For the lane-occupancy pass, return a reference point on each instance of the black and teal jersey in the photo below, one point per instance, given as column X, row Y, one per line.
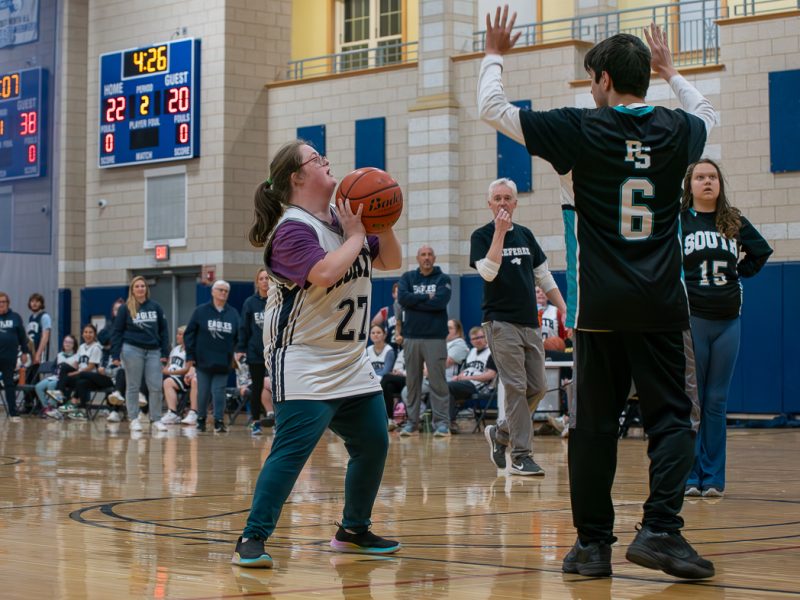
column 620, row 210
column 712, row 265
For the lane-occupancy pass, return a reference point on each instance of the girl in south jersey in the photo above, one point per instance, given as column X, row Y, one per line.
column 320, row 261
column 67, row 360
column 381, row 356
column 715, row 235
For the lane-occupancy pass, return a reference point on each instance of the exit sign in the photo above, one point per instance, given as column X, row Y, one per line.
column 162, row 252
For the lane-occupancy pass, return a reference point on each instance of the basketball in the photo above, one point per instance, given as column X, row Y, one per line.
column 377, row 192
column 554, row 344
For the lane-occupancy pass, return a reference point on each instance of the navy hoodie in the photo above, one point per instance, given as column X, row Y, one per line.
column 12, row 337
column 251, row 329
column 211, row 336
column 146, row 329
column 424, row 317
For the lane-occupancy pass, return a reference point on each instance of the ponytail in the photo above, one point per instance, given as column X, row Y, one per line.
column 273, row 195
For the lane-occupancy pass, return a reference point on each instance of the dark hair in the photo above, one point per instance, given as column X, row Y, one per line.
column 729, row 218
column 36, row 296
column 75, row 343
column 273, row 195
column 91, row 326
column 626, row 59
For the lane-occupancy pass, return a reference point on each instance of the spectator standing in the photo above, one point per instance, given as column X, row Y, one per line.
column 511, row 263
column 39, row 327
column 13, row 341
column 250, row 347
column 715, row 235
column 210, row 339
column 423, row 295
column 140, row 338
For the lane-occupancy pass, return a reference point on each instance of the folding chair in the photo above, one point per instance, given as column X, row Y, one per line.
column 630, row 417
column 484, row 404
column 93, row 408
column 235, row 403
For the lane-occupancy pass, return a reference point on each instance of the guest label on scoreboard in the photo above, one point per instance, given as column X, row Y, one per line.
column 22, row 123
column 150, row 104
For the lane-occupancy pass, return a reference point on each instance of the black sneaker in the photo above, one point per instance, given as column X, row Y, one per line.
column 201, row 424
column 362, row 543
column 591, row 560
column 250, row 553
column 525, row 466
column 268, row 420
column 668, row 552
column 497, row 452
column 219, row 426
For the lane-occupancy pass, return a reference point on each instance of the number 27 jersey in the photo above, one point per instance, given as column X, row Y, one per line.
column 315, row 337
column 620, row 210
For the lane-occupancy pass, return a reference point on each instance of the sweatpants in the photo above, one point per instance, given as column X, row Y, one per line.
column 360, row 421
column 716, row 346
column 433, row 354
column 7, row 368
column 662, row 367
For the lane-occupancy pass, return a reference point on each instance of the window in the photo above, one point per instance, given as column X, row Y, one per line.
column 165, row 207
column 369, row 33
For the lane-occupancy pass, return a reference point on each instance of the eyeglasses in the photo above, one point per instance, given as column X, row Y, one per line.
column 477, row 337
column 223, row 290
column 320, row 159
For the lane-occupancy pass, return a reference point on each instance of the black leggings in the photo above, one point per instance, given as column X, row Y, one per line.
column 88, row 382
column 7, row 367
column 257, row 372
column 392, row 386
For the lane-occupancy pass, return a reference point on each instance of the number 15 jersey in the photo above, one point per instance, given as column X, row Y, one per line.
column 315, row 337
column 620, row 210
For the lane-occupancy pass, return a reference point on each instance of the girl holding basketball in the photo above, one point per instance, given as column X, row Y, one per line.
column 320, row 262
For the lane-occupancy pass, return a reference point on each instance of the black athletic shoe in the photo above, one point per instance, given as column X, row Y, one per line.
column 525, row 466
column 268, row 420
column 201, row 424
column 591, row 560
column 362, row 543
column 497, row 452
column 250, row 553
column 668, row 552
column 219, row 426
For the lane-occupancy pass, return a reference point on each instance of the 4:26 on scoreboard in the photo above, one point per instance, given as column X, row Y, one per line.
column 150, row 104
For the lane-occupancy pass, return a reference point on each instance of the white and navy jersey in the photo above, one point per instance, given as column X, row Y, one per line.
column 479, row 361
column 314, row 337
column 548, row 318
column 712, row 267
column 37, row 325
column 378, row 361
column 177, row 359
column 90, row 354
column 511, row 296
column 620, row 209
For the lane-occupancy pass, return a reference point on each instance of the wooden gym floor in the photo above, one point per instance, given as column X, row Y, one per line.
column 96, row 514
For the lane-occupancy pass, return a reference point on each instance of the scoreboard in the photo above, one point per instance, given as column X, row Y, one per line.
column 22, row 124
column 150, row 104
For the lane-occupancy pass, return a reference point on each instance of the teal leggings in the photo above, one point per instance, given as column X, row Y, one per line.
column 360, row 421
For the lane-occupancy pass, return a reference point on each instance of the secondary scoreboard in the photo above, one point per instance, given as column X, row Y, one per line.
column 22, row 123
column 150, row 104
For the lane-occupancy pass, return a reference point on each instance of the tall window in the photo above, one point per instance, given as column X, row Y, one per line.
column 165, row 206
column 369, row 33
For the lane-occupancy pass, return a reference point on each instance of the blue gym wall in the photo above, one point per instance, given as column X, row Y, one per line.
column 765, row 380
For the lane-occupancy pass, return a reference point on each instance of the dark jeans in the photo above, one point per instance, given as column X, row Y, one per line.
column 459, row 390
column 662, row 367
column 88, row 382
column 257, row 372
column 359, row 421
column 392, row 386
column 7, row 367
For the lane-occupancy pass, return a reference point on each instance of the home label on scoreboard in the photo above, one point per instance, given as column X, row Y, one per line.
column 22, row 123
column 150, row 104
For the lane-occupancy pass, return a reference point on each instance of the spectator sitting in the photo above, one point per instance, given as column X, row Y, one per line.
column 477, row 375
column 76, row 385
column 174, row 382
column 67, row 358
column 551, row 319
column 387, row 317
column 394, row 382
column 381, row 355
column 457, row 348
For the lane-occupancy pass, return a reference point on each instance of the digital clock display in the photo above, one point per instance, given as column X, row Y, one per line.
column 22, row 124
column 150, row 104
column 145, row 61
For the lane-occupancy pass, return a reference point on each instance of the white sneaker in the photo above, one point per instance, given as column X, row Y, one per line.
column 170, row 418
column 160, row 425
column 142, row 400
column 116, row 399
column 113, row 417
column 190, row 419
column 136, row 424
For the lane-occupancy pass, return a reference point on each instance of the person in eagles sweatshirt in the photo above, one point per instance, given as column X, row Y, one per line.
column 12, row 340
column 210, row 339
column 140, row 338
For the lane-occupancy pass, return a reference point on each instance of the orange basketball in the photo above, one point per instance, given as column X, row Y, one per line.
column 555, row 344
column 377, row 192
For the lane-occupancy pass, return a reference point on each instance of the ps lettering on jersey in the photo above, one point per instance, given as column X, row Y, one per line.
column 359, row 268
column 218, row 329
column 637, row 154
column 701, row 240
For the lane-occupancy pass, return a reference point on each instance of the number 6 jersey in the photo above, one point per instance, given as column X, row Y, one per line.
column 620, row 209
column 315, row 337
